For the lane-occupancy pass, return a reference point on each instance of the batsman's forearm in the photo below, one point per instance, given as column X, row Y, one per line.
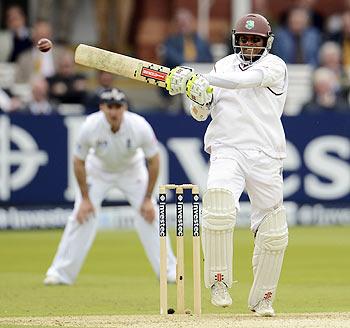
column 153, row 172
column 237, row 80
column 80, row 174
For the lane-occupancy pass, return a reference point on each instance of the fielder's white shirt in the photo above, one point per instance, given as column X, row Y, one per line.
column 115, row 152
column 249, row 118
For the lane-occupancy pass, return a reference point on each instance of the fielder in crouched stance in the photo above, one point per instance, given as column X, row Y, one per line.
column 111, row 150
column 246, row 143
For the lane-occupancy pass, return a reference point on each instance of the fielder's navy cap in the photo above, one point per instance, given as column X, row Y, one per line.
column 113, row 96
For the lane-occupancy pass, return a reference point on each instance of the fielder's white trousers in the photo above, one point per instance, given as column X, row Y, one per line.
column 261, row 176
column 77, row 238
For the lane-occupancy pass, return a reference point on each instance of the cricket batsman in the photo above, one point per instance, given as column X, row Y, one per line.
column 245, row 94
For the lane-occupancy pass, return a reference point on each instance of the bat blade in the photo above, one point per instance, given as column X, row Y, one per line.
column 122, row 65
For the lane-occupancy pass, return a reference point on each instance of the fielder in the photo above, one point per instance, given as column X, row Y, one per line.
column 110, row 153
column 246, row 143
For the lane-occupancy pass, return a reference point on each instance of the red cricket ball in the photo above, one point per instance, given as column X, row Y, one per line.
column 44, row 45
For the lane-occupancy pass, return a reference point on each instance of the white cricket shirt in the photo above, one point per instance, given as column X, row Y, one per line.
column 249, row 118
column 114, row 152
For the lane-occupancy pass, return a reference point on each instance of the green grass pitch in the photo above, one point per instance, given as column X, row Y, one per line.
column 117, row 278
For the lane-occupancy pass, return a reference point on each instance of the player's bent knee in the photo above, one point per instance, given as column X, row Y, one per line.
column 272, row 234
column 219, row 211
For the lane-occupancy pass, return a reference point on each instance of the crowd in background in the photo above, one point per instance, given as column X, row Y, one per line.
column 302, row 36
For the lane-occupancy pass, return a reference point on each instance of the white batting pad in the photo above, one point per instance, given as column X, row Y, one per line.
column 218, row 222
column 270, row 243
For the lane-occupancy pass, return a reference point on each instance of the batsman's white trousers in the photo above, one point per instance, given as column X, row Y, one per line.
column 261, row 176
column 78, row 238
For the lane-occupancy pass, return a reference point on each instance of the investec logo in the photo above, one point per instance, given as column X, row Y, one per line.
column 195, row 214
column 26, row 158
column 179, row 216
column 162, row 219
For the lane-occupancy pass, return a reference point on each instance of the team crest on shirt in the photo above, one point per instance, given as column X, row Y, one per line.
column 249, row 24
column 101, row 144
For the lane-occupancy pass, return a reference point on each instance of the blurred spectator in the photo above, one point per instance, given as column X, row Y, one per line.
column 334, row 22
column 67, row 86
column 330, row 56
column 297, row 42
column 60, row 13
column 33, row 62
column 325, row 96
column 114, row 19
column 20, row 33
column 343, row 38
column 105, row 81
column 185, row 45
column 39, row 104
column 8, row 103
column 316, row 19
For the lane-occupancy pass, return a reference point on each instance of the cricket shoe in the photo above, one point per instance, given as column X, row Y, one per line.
column 220, row 295
column 53, row 281
column 264, row 309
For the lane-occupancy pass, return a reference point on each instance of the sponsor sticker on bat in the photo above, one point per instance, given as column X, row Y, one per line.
column 153, row 74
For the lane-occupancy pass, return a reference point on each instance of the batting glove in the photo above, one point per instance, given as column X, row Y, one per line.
column 177, row 79
column 199, row 90
column 200, row 113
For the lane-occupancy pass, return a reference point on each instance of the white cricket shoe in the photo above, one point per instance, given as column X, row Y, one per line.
column 220, row 295
column 264, row 309
column 53, row 281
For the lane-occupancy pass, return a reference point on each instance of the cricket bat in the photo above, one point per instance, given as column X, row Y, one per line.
column 122, row 65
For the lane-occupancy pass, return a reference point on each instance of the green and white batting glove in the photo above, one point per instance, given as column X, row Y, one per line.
column 177, row 79
column 199, row 90
column 200, row 113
